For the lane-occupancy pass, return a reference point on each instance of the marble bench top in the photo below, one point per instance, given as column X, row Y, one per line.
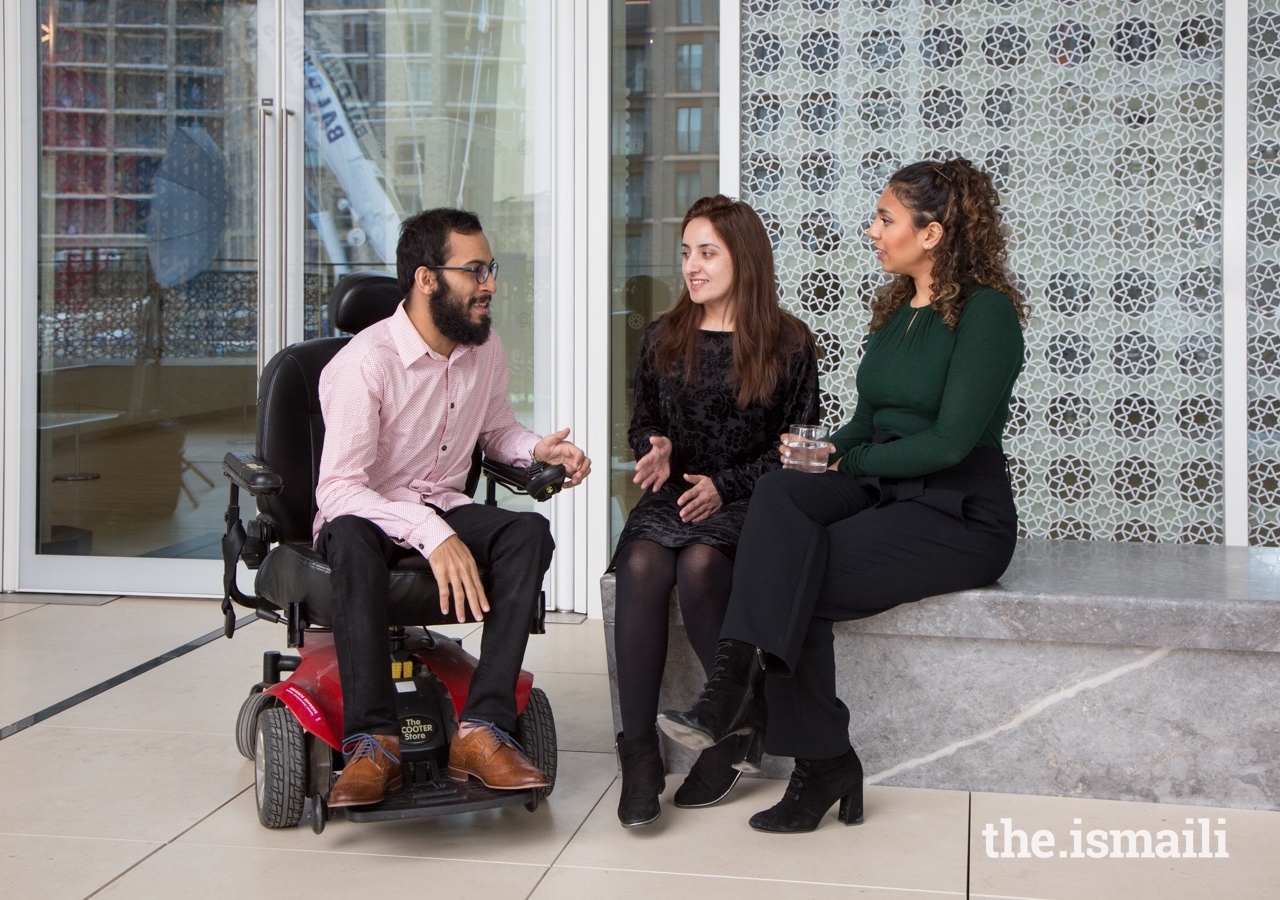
column 1097, row 592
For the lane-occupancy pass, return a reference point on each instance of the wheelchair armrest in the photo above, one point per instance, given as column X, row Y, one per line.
column 540, row 481
column 511, row 477
column 252, row 474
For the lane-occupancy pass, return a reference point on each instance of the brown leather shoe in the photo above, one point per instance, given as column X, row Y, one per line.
column 372, row 769
column 493, row 757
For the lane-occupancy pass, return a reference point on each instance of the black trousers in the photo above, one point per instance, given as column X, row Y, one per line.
column 515, row 546
column 821, row 548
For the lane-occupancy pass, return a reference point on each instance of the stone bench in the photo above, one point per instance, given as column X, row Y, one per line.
column 1146, row 672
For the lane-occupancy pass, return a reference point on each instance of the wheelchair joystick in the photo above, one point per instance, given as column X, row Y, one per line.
column 545, row 481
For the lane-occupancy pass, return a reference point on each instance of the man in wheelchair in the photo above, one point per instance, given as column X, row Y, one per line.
column 404, row 405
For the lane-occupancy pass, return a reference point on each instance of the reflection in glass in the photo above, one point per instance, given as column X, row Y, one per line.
column 147, row 292
column 689, row 67
column 689, row 129
column 440, row 103
column 663, row 160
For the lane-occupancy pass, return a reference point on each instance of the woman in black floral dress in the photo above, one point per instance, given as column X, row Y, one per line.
column 719, row 378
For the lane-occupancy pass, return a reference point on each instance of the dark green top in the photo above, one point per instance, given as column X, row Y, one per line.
column 942, row 392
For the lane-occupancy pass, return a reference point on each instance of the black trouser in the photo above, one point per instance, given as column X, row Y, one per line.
column 822, row 548
column 516, row 548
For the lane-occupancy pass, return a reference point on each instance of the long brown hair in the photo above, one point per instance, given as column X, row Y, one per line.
column 972, row 250
column 765, row 336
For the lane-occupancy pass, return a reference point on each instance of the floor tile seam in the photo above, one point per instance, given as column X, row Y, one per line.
column 217, row 734
column 1005, row 897
column 577, row 750
column 766, row 880
column 363, row 854
column 968, row 852
column 114, row 681
column 1024, row 715
column 173, row 840
column 573, row 836
column 23, row 612
column 79, row 837
column 59, row 602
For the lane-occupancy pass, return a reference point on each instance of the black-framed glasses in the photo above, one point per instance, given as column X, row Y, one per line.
column 481, row 272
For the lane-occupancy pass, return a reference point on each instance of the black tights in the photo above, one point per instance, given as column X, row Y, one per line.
column 646, row 573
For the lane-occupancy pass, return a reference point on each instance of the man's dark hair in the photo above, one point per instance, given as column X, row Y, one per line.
column 424, row 240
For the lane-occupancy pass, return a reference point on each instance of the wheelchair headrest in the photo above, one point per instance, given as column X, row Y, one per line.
column 363, row 298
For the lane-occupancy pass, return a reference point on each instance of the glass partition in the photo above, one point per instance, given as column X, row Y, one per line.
column 147, row 322
column 421, row 104
column 665, row 154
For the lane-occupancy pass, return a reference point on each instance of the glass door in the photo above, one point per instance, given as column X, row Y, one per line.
column 147, row 311
column 420, row 104
column 665, row 154
column 207, row 170
column 427, row 103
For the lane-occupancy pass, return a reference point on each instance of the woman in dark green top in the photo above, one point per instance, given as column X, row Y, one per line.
column 916, row 501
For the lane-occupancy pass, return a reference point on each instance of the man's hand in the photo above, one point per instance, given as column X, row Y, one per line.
column 701, row 500
column 555, row 450
column 457, row 575
column 654, row 468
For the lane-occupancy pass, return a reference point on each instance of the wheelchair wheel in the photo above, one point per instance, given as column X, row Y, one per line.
column 537, row 732
column 247, row 719
column 279, row 768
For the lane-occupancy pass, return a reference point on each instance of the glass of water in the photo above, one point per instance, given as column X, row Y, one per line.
column 808, row 448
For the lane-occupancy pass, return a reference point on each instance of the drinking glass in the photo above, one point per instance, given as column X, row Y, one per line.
column 809, row 448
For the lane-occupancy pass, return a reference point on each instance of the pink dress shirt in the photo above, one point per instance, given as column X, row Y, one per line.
column 401, row 422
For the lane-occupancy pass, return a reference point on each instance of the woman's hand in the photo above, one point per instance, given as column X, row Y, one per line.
column 785, row 451
column 654, row 468
column 701, row 500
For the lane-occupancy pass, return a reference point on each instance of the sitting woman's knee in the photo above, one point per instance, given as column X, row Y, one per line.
column 777, row 481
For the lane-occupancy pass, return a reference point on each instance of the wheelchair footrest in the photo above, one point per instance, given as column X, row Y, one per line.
column 444, row 798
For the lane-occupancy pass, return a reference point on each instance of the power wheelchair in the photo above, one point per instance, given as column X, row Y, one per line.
column 291, row 723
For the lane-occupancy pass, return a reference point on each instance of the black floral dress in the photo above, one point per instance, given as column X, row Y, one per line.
column 710, row 436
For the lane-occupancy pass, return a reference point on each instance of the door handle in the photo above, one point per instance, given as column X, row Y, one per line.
column 283, row 291
column 264, row 120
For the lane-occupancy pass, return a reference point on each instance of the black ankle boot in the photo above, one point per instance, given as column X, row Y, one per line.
column 815, row 785
column 751, row 745
column 643, row 779
column 731, row 701
column 713, row 775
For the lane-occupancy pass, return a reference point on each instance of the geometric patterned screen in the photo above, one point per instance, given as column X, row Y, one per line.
column 1264, row 273
column 1101, row 123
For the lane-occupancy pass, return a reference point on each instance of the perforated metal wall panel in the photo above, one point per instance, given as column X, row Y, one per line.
column 1101, row 123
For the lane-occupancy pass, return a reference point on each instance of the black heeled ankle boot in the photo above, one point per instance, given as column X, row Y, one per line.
column 713, row 775
column 643, row 779
column 751, row 744
column 815, row 785
column 731, row 701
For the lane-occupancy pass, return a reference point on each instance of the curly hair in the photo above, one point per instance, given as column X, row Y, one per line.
column 972, row 250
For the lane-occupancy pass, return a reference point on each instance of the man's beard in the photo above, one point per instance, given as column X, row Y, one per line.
column 452, row 317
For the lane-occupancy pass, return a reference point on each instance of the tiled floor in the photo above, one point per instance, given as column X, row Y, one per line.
column 139, row 793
